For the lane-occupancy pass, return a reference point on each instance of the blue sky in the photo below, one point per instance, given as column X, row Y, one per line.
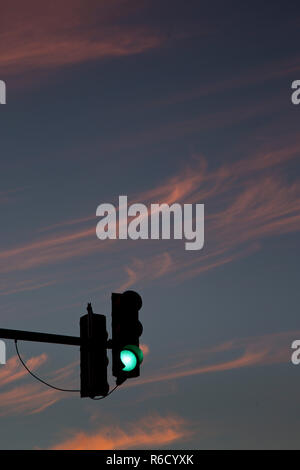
column 186, row 102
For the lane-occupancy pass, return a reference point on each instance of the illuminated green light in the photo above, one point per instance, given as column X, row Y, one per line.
column 131, row 355
column 129, row 360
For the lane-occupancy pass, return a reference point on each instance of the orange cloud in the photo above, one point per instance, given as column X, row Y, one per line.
column 27, row 399
column 254, row 351
column 38, row 35
column 250, row 201
column 34, row 397
column 148, row 432
column 155, row 268
column 247, row 203
column 157, row 431
column 49, row 250
column 12, row 370
column 145, row 349
column 23, row 286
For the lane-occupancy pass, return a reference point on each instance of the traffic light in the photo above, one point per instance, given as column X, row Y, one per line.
column 93, row 355
column 126, row 330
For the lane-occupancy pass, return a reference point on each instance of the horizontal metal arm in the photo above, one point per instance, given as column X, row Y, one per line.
column 40, row 337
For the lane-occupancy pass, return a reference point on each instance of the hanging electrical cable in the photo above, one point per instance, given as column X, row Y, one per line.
column 49, row 385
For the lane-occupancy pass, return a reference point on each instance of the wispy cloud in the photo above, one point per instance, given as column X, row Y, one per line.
column 203, row 121
column 273, row 70
column 37, row 35
column 274, row 348
column 246, row 201
column 27, row 399
column 48, row 250
column 140, row 270
column 268, row 349
column 33, row 397
column 13, row 370
column 151, row 431
column 14, row 287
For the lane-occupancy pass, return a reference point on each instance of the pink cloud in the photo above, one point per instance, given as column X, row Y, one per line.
column 37, row 36
column 152, row 431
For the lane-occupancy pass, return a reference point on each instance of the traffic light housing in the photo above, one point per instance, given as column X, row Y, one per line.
column 126, row 330
column 93, row 355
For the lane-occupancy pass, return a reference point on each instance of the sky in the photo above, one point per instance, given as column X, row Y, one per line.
column 165, row 102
